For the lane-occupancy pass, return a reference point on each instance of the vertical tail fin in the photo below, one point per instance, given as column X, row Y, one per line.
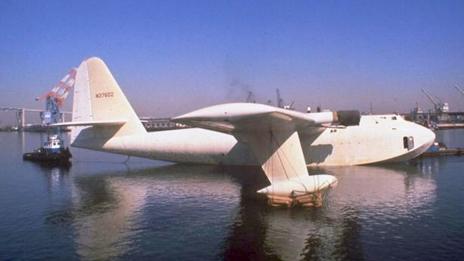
column 97, row 97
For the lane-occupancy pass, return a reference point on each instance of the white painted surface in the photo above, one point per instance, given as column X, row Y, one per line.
column 376, row 139
column 282, row 142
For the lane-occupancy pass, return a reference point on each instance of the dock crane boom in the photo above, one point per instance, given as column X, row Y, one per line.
column 439, row 106
column 459, row 89
column 435, row 104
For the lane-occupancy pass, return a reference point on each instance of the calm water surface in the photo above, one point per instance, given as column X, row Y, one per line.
column 101, row 208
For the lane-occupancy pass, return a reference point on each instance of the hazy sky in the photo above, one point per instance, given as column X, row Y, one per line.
column 171, row 57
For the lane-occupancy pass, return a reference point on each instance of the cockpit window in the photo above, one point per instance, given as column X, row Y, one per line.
column 408, row 142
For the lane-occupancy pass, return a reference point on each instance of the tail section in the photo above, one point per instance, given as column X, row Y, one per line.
column 98, row 99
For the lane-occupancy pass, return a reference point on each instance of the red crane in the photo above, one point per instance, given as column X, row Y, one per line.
column 54, row 99
column 60, row 91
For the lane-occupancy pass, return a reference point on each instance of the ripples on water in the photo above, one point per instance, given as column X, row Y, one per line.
column 102, row 209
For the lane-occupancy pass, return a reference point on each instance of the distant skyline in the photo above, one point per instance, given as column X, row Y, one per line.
column 171, row 57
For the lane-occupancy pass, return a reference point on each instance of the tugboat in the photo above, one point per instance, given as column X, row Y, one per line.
column 52, row 151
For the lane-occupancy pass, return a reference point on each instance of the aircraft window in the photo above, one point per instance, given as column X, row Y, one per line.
column 408, row 142
column 394, row 118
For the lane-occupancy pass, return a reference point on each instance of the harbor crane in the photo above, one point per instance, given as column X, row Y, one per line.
column 439, row 106
column 54, row 99
column 280, row 101
column 251, row 97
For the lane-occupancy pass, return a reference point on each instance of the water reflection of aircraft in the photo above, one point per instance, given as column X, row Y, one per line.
column 110, row 210
column 365, row 193
column 397, row 188
column 283, row 142
column 113, row 209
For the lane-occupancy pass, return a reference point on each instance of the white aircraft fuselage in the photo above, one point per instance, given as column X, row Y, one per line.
column 378, row 138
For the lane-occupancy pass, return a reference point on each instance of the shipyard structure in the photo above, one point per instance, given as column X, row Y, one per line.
column 440, row 117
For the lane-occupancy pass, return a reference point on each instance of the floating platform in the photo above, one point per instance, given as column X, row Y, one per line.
column 439, row 149
column 304, row 200
column 443, row 152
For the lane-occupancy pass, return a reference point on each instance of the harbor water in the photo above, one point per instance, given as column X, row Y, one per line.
column 105, row 207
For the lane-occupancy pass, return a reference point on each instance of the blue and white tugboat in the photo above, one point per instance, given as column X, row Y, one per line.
column 52, row 151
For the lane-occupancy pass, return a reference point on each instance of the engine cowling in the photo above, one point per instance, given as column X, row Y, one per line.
column 348, row 118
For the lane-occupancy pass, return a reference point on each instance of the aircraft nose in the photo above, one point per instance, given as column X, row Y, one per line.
column 426, row 136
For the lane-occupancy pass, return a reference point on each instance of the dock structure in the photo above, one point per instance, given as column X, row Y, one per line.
column 440, row 117
column 20, row 114
column 21, row 119
column 436, row 120
column 150, row 123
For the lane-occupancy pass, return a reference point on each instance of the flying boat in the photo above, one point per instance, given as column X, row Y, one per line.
column 282, row 142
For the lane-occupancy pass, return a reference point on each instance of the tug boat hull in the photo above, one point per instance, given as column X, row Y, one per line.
column 41, row 155
column 52, row 151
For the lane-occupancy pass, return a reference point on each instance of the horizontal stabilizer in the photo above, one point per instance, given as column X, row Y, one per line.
column 89, row 123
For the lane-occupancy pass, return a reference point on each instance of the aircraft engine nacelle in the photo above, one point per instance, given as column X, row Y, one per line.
column 345, row 118
column 348, row 118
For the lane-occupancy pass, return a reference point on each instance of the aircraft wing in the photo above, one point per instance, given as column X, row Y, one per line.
column 233, row 117
column 272, row 135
